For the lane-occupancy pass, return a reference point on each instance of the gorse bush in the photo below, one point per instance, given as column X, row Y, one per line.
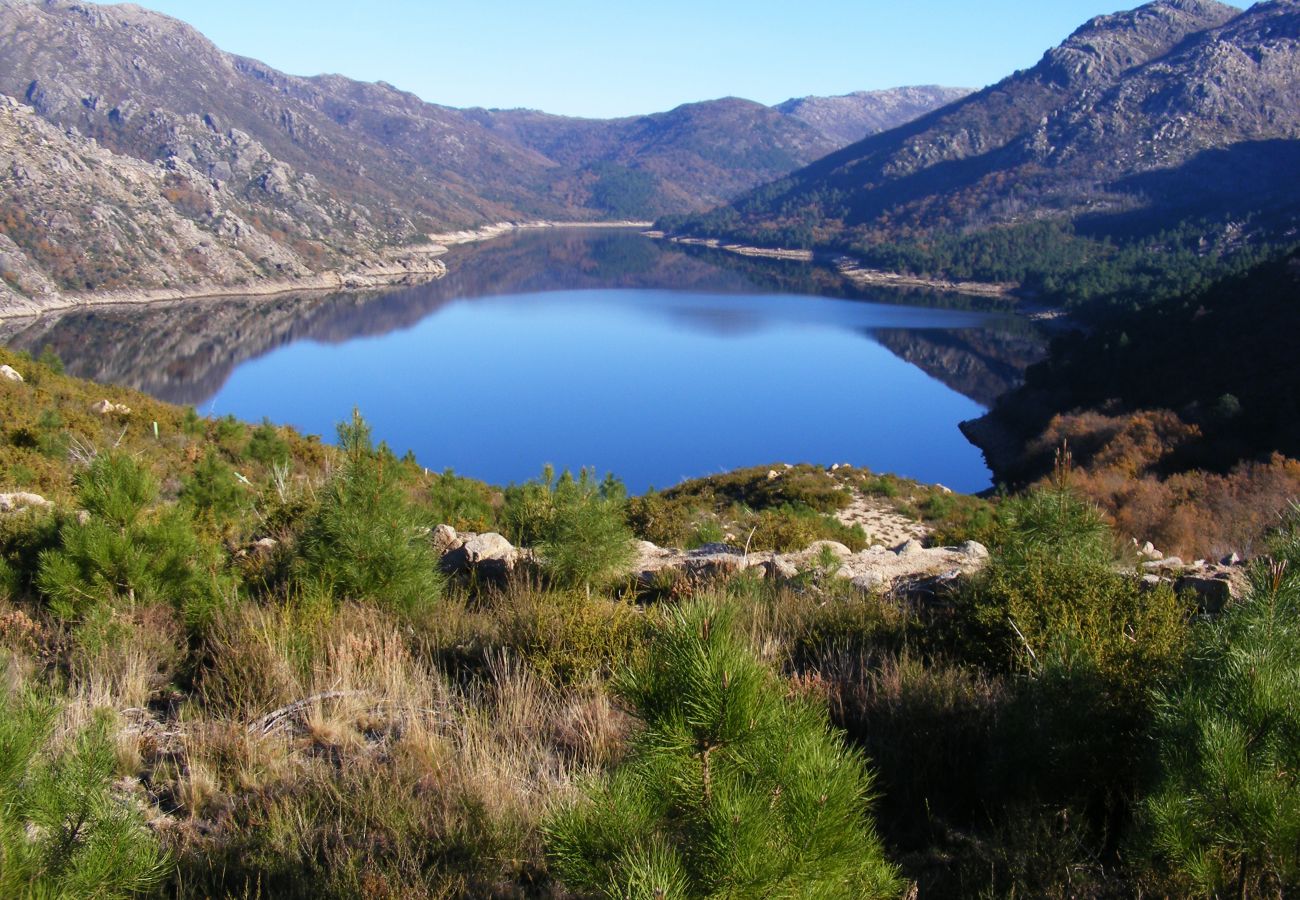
column 578, row 526
column 734, row 788
column 366, row 541
column 1226, row 814
column 63, row 833
column 128, row 551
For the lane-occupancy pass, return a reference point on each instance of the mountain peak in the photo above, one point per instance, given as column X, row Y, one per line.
column 1105, row 47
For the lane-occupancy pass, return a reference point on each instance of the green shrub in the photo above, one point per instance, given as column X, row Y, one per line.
column 267, row 446
column 126, row 551
column 463, row 503
column 366, row 541
column 63, row 833
column 215, row 495
column 734, row 788
column 567, row 637
column 1226, row 815
column 577, row 526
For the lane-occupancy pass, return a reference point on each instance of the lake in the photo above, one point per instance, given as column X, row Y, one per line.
column 587, row 348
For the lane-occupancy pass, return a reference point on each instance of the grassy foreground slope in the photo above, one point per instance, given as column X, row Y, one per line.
column 232, row 666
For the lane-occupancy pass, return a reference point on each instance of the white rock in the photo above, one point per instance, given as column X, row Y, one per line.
column 816, row 547
column 10, row 373
column 21, row 500
column 910, row 547
column 489, row 546
column 444, row 538
column 975, row 550
column 109, row 408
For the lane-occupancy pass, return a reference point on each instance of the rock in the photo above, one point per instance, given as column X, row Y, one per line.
column 21, row 500
column 869, row 581
column 265, row 547
column 772, row 475
column 816, row 547
column 909, row 548
column 1152, row 581
column 1231, row 559
column 488, row 555
column 489, row 547
column 445, row 539
column 1170, row 562
column 109, row 408
column 9, row 373
column 1213, row 594
column 774, row 567
column 974, row 550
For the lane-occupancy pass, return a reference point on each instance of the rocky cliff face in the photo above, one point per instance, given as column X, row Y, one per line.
column 1178, row 107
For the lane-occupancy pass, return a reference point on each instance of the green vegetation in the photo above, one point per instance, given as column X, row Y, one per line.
column 364, row 542
column 732, row 789
column 62, row 833
column 1226, row 814
column 230, row 653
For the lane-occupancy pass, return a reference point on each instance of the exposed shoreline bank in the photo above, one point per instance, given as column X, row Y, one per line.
column 851, row 270
column 408, row 266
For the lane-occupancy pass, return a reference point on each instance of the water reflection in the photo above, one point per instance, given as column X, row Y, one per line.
column 582, row 325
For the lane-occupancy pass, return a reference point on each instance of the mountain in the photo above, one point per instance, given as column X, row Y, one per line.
column 268, row 175
column 700, row 154
column 852, row 117
column 1140, row 122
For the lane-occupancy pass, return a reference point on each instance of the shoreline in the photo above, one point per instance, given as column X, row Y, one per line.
column 410, row 266
column 848, row 268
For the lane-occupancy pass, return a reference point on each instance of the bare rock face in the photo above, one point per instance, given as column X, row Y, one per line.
column 9, row 373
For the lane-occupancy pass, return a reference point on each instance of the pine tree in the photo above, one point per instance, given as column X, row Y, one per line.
column 734, row 788
column 1226, row 815
column 63, row 834
column 365, row 542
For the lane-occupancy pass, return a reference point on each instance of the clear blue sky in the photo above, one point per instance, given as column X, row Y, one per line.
column 613, row 57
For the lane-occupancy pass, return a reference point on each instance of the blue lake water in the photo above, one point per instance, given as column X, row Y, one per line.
column 598, row 350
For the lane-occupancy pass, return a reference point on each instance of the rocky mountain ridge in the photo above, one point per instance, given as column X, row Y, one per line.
column 1146, row 118
column 254, row 176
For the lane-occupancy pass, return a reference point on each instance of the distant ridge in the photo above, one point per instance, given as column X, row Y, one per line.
column 267, row 175
column 1140, row 121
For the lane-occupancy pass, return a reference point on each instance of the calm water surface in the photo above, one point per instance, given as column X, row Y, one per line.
column 590, row 349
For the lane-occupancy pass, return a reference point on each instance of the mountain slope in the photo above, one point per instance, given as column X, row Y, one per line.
column 852, row 117
column 318, row 174
column 1137, row 122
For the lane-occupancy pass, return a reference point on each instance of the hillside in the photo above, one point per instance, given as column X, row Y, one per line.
column 1180, row 117
column 1182, row 417
column 272, row 176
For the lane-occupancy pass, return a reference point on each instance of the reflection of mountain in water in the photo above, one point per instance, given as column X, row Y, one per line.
column 977, row 363
column 184, row 352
